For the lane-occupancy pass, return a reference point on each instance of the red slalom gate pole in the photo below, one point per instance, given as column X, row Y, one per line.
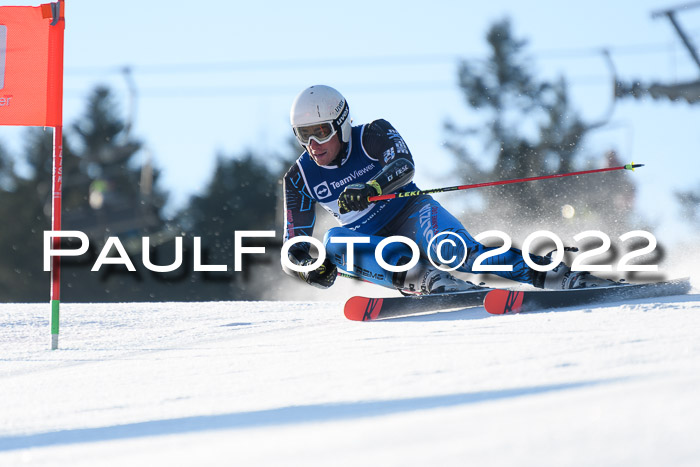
column 57, row 190
column 406, row 194
column 56, row 12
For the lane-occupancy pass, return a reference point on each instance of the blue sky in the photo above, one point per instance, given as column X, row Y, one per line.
column 219, row 77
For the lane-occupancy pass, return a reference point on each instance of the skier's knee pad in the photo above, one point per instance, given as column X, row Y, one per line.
column 451, row 251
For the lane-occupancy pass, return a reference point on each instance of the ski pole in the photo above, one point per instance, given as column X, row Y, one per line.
column 348, row 276
column 406, row 194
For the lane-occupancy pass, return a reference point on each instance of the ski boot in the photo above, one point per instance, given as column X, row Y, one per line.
column 562, row 277
column 427, row 280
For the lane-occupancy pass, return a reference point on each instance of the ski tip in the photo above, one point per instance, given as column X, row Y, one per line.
column 362, row 308
column 498, row 302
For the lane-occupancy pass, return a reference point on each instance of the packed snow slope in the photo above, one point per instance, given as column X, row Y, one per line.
column 294, row 383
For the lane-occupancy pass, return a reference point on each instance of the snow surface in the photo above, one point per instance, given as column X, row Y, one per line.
column 294, row 383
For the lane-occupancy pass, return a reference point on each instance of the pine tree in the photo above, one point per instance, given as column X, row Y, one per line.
column 530, row 128
column 110, row 181
column 241, row 195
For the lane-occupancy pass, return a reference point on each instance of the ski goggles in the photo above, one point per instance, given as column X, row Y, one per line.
column 319, row 132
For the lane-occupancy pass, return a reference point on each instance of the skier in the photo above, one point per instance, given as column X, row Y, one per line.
column 341, row 167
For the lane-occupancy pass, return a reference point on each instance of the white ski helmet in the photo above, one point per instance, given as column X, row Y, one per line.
column 318, row 113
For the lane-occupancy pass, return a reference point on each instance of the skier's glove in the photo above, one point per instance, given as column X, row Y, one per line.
column 321, row 277
column 355, row 196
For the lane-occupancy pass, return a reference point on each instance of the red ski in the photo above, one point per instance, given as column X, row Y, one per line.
column 498, row 301
column 367, row 309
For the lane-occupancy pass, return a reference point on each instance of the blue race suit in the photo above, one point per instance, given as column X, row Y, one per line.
column 371, row 147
